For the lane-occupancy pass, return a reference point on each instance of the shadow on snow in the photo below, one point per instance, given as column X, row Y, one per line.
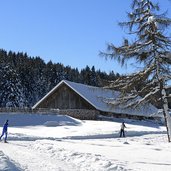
column 22, row 137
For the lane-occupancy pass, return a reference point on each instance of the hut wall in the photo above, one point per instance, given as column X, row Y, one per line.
column 65, row 98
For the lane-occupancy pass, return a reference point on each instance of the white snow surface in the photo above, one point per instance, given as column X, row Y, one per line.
column 61, row 143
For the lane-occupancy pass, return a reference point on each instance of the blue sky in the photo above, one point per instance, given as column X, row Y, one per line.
column 71, row 32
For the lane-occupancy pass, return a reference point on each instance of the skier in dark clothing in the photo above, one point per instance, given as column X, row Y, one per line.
column 5, row 131
column 122, row 131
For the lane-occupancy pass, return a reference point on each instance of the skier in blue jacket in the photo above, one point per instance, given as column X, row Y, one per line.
column 5, row 131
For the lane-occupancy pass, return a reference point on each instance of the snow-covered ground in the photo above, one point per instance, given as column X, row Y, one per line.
column 61, row 143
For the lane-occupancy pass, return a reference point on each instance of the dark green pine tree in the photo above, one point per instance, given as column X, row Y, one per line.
column 39, row 81
column 85, row 75
column 49, row 76
column 93, row 77
column 11, row 92
column 24, row 70
column 75, row 75
column 150, row 50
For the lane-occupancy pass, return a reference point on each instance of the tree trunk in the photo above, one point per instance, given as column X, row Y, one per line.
column 164, row 101
column 166, row 113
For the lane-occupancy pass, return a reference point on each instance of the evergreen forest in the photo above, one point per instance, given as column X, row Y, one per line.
column 24, row 80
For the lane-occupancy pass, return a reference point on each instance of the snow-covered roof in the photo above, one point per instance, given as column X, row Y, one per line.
column 96, row 95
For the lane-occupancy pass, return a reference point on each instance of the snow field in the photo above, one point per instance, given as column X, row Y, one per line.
column 69, row 144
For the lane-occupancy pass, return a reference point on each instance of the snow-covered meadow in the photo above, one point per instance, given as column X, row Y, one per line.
column 61, row 143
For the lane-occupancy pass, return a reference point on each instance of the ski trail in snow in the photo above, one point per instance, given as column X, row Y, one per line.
column 6, row 164
column 31, row 160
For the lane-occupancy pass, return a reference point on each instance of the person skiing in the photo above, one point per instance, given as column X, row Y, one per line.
column 122, row 131
column 5, row 131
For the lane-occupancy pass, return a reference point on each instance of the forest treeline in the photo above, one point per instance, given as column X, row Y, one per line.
column 24, row 80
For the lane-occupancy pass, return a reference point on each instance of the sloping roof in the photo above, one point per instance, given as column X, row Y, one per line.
column 96, row 95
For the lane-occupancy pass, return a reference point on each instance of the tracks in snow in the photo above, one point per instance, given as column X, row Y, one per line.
column 21, row 156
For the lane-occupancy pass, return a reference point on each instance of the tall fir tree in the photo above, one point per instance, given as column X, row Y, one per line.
column 39, row 81
column 151, row 49
column 11, row 92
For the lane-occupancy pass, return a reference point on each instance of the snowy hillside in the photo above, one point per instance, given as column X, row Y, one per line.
column 61, row 143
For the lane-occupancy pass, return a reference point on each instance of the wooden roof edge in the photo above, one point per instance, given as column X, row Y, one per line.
column 67, row 83
column 48, row 94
